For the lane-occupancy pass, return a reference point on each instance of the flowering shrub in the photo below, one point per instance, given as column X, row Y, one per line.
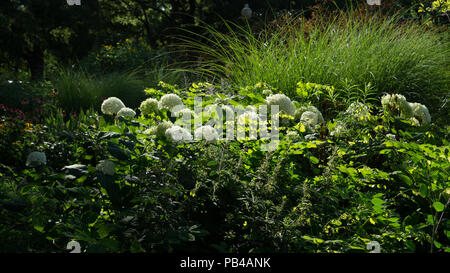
column 284, row 103
column 149, row 106
column 126, row 112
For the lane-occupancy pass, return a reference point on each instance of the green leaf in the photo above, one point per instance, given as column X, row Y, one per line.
column 438, row 206
column 423, row 190
column 212, row 163
column 314, row 160
column 377, row 201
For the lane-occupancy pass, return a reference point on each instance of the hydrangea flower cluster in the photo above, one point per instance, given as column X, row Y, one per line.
column 207, row 133
column 416, row 112
column 420, row 112
column 106, row 167
column 35, row 159
column 149, row 106
column 162, row 128
column 111, row 106
column 169, row 101
column 126, row 112
column 299, row 112
column 178, row 134
column 284, row 103
column 397, row 101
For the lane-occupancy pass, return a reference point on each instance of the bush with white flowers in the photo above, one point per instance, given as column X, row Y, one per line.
column 397, row 102
column 284, row 103
column 35, row 159
column 112, row 106
column 207, row 133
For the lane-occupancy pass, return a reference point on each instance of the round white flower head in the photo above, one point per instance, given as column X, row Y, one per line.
column 162, row 128
column 310, row 118
column 126, row 112
column 311, row 108
column 35, row 159
column 284, row 103
column 397, row 101
column 247, row 116
column 421, row 112
column 112, row 106
column 169, row 101
column 178, row 134
column 207, row 133
column 358, row 111
column 106, row 167
column 267, row 92
column 149, row 106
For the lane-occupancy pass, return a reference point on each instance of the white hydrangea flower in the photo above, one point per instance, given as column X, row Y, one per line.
column 126, row 112
column 178, row 134
column 149, row 106
column 421, row 112
column 358, row 111
column 311, row 108
column 207, row 133
column 106, row 167
column 35, row 159
column 162, row 128
column 284, row 103
column 183, row 112
column 310, row 118
column 169, row 101
column 397, row 101
column 112, row 106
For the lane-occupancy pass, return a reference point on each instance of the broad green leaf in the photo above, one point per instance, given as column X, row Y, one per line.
column 438, row 206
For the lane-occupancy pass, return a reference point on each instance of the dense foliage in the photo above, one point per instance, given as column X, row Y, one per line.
column 380, row 179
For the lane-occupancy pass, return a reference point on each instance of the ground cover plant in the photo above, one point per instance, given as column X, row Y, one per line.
column 308, row 136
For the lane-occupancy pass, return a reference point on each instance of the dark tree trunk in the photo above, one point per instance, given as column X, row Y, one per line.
column 35, row 60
